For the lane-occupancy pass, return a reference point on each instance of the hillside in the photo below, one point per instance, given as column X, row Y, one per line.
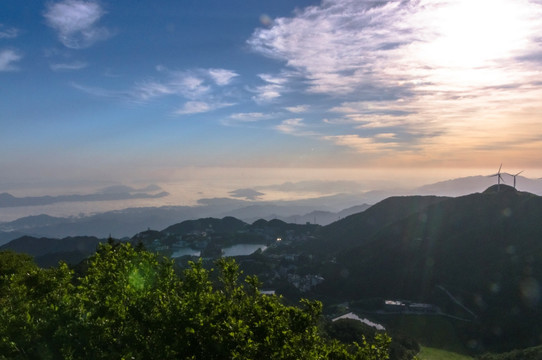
column 225, row 225
column 481, row 250
column 47, row 252
column 356, row 229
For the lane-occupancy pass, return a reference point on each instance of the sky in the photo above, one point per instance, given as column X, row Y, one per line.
column 123, row 92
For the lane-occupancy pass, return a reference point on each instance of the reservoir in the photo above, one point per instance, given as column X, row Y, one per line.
column 233, row 250
column 242, row 249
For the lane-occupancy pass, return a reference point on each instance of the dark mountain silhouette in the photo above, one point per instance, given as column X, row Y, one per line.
column 483, row 249
column 322, row 217
column 7, row 236
column 356, row 229
column 225, row 225
column 279, row 227
column 34, row 221
column 120, row 223
column 47, row 252
column 8, row 200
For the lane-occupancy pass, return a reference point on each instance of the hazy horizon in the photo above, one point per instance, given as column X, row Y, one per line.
column 253, row 185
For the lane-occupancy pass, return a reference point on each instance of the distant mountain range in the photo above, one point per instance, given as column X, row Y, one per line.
column 125, row 223
column 107, row 194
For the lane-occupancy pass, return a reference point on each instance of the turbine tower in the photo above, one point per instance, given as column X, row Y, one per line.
column 514, row 176
column 499, row 178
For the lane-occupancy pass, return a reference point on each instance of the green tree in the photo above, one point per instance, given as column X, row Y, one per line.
column 131, row 304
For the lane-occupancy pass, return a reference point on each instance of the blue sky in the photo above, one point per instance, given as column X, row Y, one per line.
column 125, row 91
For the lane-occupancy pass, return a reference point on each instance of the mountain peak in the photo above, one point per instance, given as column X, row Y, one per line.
column 500, row 188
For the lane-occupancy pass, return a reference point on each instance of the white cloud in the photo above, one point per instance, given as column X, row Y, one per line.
column 362, row 144
column 77, row 65
column 272, row 79
column 188, row 85
column 386, row 136
column 249, row 117
column 273, row 89
column 196, row 107
column 267, row 93
column 76, row 22
column 150, row 89
column 8, row 33
column 202, row 90
column 297, row 109
column 295, row 127
column 180, row 83
column 8, row 58
column 222, row 76
column 245, row 118
column 438, row 70
column 193, row 85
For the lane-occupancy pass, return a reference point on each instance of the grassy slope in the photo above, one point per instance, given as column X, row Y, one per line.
column 430, row 331
column 437, row 354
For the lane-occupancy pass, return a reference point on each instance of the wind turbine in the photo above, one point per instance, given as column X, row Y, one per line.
column 499, row 178
column 514, row 176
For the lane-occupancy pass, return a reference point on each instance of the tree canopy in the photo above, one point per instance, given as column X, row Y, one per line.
column 131, row 304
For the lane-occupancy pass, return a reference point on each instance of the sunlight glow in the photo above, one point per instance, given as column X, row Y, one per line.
column 471, row 33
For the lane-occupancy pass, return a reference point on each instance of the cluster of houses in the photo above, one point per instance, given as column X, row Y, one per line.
column 304, row 282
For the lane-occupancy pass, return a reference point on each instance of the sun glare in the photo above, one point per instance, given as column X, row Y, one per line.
column 471, row 33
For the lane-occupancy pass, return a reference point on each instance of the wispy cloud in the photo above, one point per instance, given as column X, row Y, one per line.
column 146, row 90
column 8, row 58
column 296, row 127
column 431, row 71
column 72, row 66
column 362, row 144
column 193, row 84
column 8, row 33
column 222, row 76
column 200, row 90
column 244, row 118
column 297, row 109
column 249, row 117
column 268, row 78
column 272, row 89
column 76, row 22
column 101, row 92
column 386, row 136
column 196, row 107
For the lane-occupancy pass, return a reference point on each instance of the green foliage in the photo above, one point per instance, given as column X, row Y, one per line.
column 350, row 330
column 130, row 304
column 533, row 353
column 12, row 262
